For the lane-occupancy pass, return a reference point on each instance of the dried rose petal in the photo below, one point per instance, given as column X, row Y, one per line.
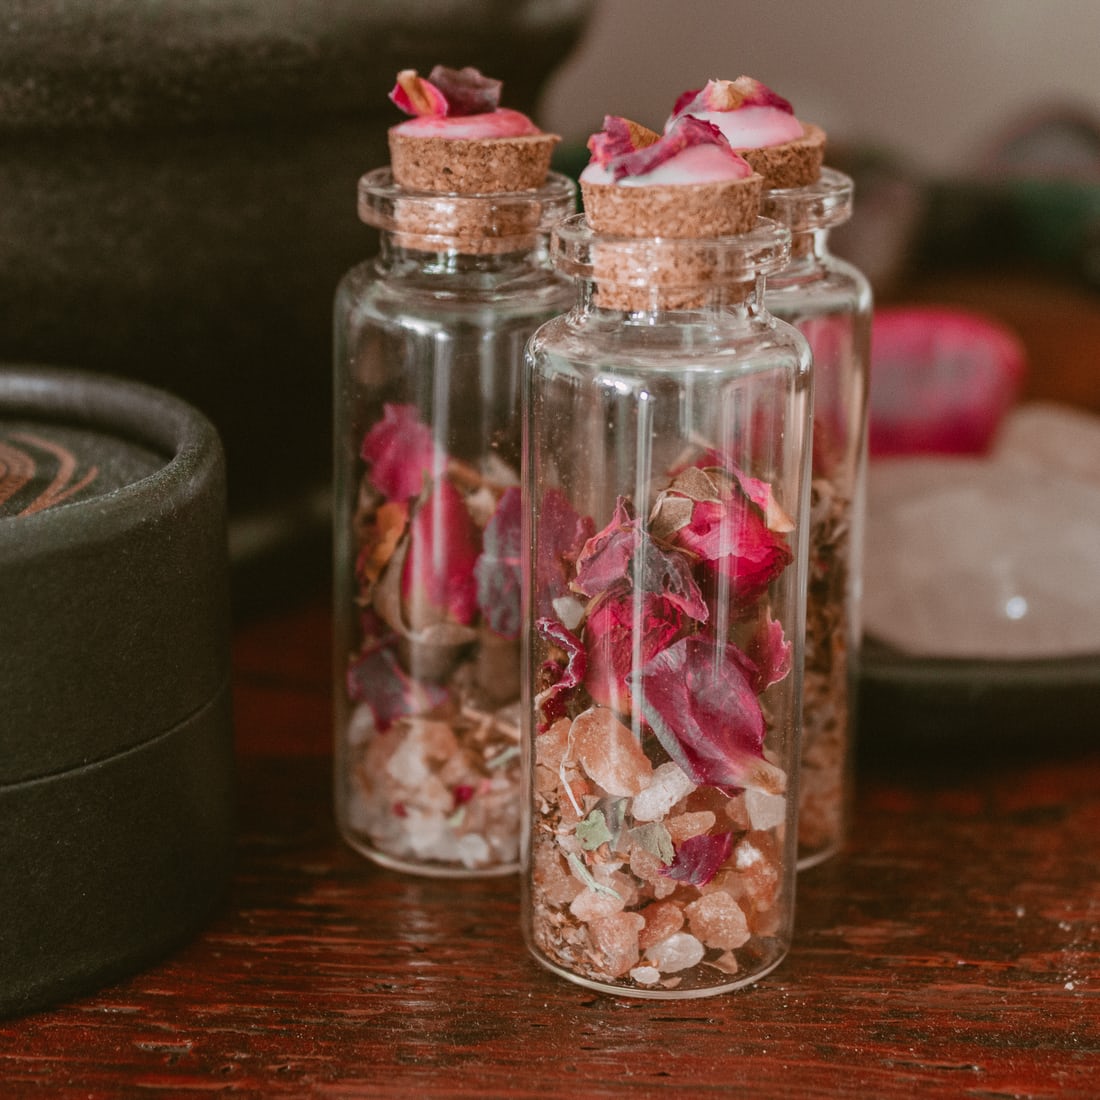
column 466, row 91
column 562, row 532
column 621, row 620
column 729, row 95
column 697, row 697
column 770, row 651
column 698, row 858
column 618, row 137
column 437, row 583
column 499, row 569
column 605, row 557
column 727, row 527
column 624, row 552
column 416, row 96
column 684, row 133
column 377, row 679
column 564, row 677
column 401, row 452
column 380, row 541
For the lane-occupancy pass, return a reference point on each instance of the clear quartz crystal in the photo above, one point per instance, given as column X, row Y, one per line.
column 829, row 301
column 666, row 467
column 429, row 340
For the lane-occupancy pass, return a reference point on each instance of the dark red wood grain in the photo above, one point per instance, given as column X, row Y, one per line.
column 952, row 951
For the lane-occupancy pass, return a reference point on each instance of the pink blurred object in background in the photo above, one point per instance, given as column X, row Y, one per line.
column 942, row 379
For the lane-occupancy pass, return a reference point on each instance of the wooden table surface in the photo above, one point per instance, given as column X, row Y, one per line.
column 953, row 950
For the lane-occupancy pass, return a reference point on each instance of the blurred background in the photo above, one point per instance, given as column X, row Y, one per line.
column 177, row 184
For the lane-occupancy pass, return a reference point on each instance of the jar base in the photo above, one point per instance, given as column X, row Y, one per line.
column 819, row 855
column 426, row 870
column 736, row 982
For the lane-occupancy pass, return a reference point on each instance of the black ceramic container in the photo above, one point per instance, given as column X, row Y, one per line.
column 115, row 725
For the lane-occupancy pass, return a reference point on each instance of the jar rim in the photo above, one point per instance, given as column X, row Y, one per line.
column 825, row 203
column 387, row 205
column 576, row 249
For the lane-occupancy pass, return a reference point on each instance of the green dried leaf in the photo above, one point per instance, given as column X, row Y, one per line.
column 654, row 838
column 593, row 831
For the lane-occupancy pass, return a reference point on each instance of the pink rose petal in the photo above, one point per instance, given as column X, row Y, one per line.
column 617, row 624
column 401, row 453
column 697, row 697
column 562, row 532
column 376, row 678
column 563, row 678
column 684, row 133
column 438, row 583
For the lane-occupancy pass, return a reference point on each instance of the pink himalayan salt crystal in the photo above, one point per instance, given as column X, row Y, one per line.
column 647, row 867
column 615, row 940
column 588, row 906
column 551, row 746
column 662, row 918
column 669, row 783
column 680, row 951
column 754, row 878
column 766, row 811
column 718, row 921
column 622, row 883
column 646, row 975
column 684, row 826
column 556, row 883
column 609, row 753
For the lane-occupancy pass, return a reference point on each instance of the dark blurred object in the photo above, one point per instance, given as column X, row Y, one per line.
column 179, row 193
column 1033, row 197
column 889, row 207
column 116, row 738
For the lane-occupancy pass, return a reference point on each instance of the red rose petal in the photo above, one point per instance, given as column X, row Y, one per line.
column 699, row 858
column 698, row 698
column 618, row 624
column 684, row 132
column 565, row 677
column 416, row 96
column 562, row 532
column 438, row 581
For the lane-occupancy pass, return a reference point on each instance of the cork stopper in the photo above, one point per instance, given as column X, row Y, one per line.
column 636, row 273
column 678, row 276
column 792, row 164
column 469, row 166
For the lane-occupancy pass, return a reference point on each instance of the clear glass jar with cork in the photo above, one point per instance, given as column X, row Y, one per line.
column 666, row 469
column 429, row 339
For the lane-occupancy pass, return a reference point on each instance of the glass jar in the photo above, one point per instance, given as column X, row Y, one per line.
column 429, row 340
column 829, row 301
column 666, row 467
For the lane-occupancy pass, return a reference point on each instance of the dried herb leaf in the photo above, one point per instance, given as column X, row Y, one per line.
column 593, row 831
column 655, row 839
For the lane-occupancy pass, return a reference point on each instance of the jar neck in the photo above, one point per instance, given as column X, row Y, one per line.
column 654, row 277
column 404, row 254
column 450, row 234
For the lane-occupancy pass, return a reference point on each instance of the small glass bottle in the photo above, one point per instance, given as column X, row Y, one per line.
column 666, row 467
column 429, row 340
column 830, row 302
